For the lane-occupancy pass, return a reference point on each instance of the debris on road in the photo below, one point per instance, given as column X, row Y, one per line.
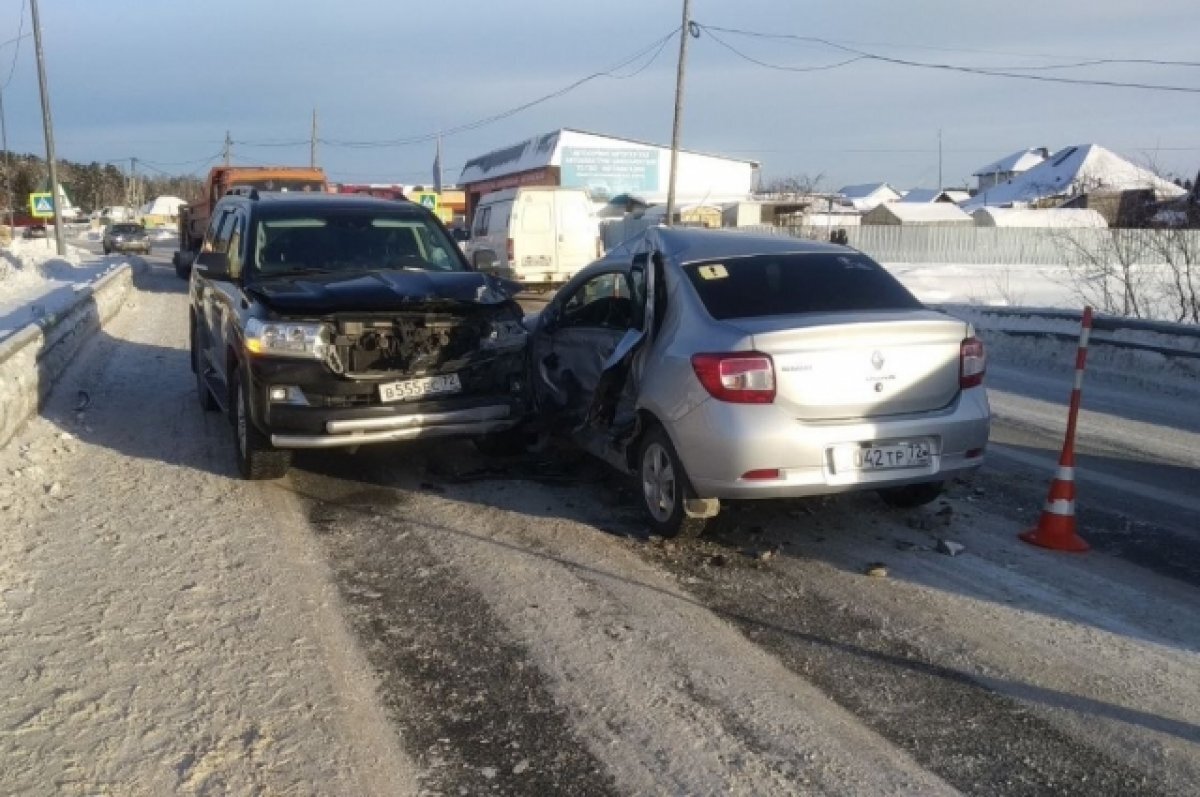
column 877, row 570
column 950, row 548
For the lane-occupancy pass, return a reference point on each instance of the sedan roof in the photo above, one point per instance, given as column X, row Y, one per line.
column 689, row 244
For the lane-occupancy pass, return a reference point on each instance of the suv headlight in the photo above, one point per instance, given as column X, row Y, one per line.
column 288, row 339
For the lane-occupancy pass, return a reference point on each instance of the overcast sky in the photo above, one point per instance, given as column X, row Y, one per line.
column 163, row 80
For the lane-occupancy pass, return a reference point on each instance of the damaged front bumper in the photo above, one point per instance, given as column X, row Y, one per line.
column 302, row 405
column 472, row 422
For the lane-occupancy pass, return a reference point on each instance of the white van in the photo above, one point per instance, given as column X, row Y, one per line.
column 540, row 235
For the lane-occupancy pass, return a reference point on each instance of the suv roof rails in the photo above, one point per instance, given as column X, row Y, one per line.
column 248, row 191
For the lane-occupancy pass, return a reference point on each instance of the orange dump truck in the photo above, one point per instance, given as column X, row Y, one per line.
column 193, row 217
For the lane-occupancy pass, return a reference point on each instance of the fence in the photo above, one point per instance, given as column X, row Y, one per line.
column 1005, row 245
column 1147, row 273
column 971, row 245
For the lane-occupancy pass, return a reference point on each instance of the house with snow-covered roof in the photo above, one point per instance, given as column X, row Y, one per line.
column 930, row 195
column 1070, row 173
column 869, row 196
column 1009, row 167
column 913, row 214
column 607, row 167
column 1046, row 218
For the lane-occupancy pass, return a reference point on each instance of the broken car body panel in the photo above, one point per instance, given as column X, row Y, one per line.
column 375, row 291
column 842, row 379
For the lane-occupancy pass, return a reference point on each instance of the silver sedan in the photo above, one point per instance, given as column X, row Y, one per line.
column 720, row 365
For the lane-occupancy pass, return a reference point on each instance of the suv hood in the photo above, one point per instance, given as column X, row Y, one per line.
column 377, row 291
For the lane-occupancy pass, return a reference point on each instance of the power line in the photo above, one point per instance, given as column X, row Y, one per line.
column 849, row 46
column 17, row 49
column 864, row 55
column 650, row 52
column 751, row 59
column 268, row 143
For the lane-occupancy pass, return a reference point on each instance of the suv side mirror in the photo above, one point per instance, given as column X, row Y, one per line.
column 214, row 265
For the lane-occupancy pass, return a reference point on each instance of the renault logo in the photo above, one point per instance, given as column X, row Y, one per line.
column 877, row 360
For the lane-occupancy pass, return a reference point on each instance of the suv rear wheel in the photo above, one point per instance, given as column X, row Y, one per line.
column 257, row 459
column 203, row 393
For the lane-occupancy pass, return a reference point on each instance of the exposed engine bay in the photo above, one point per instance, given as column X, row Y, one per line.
column 410, row 343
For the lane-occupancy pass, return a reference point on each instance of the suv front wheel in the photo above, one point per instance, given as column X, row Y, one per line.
column 256, row 457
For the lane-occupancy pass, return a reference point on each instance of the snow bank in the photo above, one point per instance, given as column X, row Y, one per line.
column 26, row 260
column 1047, row 344
column 36, row 281
column 992, row 285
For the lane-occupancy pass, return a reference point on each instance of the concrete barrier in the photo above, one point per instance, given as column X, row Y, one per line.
column 33, row 358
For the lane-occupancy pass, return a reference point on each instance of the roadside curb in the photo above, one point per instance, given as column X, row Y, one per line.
column 32, row 358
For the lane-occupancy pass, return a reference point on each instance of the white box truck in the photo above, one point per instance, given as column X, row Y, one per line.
column 538, row 235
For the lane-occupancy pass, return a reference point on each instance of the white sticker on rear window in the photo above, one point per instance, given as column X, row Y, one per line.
column 714, row 271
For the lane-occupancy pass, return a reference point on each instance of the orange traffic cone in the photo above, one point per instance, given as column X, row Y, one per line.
column 1056, row 527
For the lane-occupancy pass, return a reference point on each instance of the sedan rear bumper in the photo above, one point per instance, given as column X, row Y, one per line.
column 719, row 443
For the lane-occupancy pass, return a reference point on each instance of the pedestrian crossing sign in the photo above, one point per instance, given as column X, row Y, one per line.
column 41, row 205
column 428, row 200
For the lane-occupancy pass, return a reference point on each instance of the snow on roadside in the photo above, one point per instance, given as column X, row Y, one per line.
column 987, row 284
column 1012, row 339
column 165, row 632
column 35, row 281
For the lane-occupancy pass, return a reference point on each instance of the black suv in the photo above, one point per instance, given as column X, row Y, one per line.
column 325, row 320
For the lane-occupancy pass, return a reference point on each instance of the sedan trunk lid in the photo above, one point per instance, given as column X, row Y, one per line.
column 861, row 365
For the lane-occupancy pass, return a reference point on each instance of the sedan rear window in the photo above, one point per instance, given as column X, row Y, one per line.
column 770, row 285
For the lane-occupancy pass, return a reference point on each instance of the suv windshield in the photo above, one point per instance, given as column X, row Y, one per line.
column 769, row 285
column 125, row 229
column 352, row 241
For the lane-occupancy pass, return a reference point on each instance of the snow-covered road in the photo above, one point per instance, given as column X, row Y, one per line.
column 166, row 629
column 421, row 619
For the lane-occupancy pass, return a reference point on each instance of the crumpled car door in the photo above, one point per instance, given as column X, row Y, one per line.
column 612, row 402
column 569, row 351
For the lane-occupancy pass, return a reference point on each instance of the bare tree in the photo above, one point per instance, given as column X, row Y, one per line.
column 1179, row 284
column 1104, row 268
column 793, row 187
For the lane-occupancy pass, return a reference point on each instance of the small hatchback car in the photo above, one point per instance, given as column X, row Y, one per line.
column 721, row 365
column 324, row 320
column 125, row 238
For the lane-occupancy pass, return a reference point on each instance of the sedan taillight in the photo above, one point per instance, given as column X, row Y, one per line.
column 739, row 378
column 972, row 363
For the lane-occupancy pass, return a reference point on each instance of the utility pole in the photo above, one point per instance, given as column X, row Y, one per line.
column 131, row 191
column 939, row 185
column 312, row 143
column 437, row 167
column 48, row 125
column 679, row 75
column 228, row 152
column 8, row 197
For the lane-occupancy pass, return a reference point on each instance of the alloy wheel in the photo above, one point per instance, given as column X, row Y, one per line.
column 658, row 482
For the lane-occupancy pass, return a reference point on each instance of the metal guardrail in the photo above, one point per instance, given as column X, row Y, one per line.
column 1100, row 323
